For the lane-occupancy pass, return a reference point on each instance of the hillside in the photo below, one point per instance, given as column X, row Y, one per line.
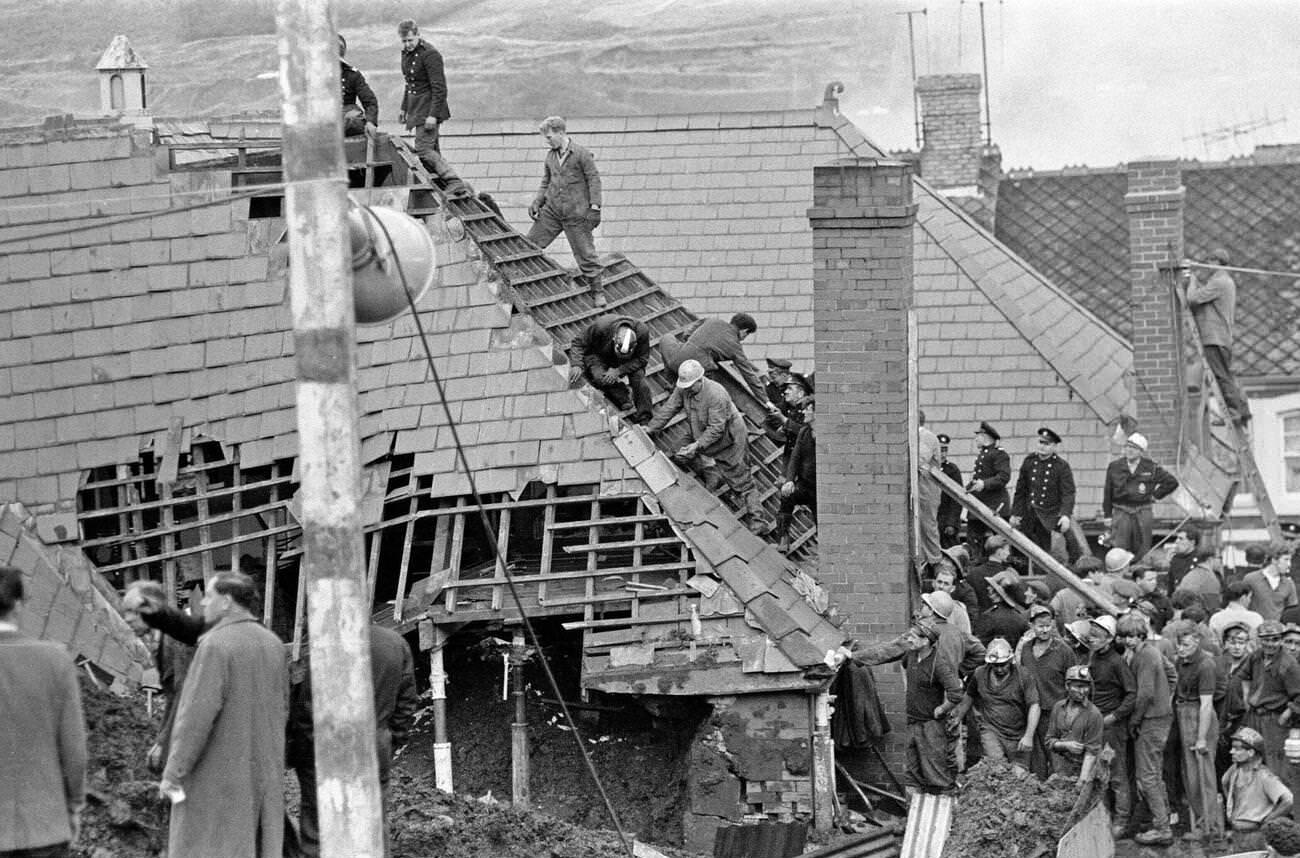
column 503, row 58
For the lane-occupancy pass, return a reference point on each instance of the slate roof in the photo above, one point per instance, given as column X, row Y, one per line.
column 111, row 333
column 1071, row 225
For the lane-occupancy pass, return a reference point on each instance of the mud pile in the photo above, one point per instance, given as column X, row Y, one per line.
column 124, row 817
column 1006, row 812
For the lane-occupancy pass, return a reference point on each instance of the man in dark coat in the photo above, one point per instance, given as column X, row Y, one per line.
column 392, row 672
column 228, row 738
column 611, row 353
column 949, row 509
column 568, row 200
column 800, row 486
column 1133, row 483
column 356, row 120
column 713, row 341
column 1044, row 500
column 988, row 482
column 42, row 737
column 424, row 98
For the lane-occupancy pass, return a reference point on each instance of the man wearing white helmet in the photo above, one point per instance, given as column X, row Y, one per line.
column 1133, row 483
column 1006, row 703
column 719, row 442
column 1114, row 691
column 611, row 353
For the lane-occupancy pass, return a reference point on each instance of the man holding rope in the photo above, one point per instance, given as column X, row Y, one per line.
column 1213, row 304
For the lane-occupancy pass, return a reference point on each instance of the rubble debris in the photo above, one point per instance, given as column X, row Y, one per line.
column 1006, row 812
column 124, row 817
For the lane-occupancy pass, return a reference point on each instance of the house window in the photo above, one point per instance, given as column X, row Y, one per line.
column 1291, row 450
column 116, row 93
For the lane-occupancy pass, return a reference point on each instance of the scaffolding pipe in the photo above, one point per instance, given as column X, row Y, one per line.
column 442, row 778
column 520, row 793
column 320, row 291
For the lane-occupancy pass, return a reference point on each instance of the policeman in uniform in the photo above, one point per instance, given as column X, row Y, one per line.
column 988, row 482
column 949, row 509
column 779, row 375
column 365, row 118
column 424, row 98
column 1044, row 500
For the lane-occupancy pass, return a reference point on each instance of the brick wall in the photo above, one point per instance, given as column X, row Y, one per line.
column 862, row 220
column 952, row 129
column 1154, row 204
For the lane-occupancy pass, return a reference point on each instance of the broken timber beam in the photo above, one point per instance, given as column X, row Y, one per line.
column 1019, row 540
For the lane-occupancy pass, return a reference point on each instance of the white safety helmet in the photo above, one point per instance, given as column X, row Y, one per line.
column 689, row 372
column 624, row 340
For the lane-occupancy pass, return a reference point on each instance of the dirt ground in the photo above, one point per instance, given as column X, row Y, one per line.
column 640, row 759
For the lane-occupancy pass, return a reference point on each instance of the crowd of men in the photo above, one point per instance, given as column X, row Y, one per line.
column 1170, row 686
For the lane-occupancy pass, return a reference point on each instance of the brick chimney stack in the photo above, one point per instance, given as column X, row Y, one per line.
column 954, row 158
column 862, row 220
column 1154, row 204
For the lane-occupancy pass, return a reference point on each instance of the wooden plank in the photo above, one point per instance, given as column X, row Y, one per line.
column 405, row 567
column 548, row 540
column 635, row 543
column 503, row 545
column 172, row 528
column 187, row 552
column 185, row 476
column 457, row 544
column 593, row 537
column 644, row 621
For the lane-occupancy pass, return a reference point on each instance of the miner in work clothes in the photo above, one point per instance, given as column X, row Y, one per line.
column 988, row 481
column 1044, row 498
column 714, row 341
column 611, row 353
column 424, row 98
column 1133, row 483
column 568, row 201
column 356, row 120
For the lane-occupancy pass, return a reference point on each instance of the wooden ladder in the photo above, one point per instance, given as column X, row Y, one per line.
column 1249, row 475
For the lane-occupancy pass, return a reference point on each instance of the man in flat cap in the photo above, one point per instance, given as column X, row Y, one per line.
column 949, row 509
column 1133, row 483
column 988, row 481
column 1044, row 500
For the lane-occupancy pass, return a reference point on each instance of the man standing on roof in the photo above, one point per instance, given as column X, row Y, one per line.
column 1044, row 498
column 719, row 442
column 988, row 482
column 949, row 509
column 611, row 353
column 356, row 120
column 424, row 99
column 714, row 341
column 568, row 201
column 1214, row 304
column 1133, row 483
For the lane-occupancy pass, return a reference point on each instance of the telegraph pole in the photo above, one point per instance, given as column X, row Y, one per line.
column 984, row 51
column 324, row 327
column 911, row 46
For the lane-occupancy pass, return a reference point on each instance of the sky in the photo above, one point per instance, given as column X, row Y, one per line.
column 1099, row 82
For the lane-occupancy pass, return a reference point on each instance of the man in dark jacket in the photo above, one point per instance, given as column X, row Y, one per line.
column 1133, row 483
column 424, row 98
column 800, row 486
column 356, row 120
column 949, row 509
column 713, row 341
column 988, row 482
column 1114, row 693
column 611, row 353
column 1044, row 500
column 569, row 201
